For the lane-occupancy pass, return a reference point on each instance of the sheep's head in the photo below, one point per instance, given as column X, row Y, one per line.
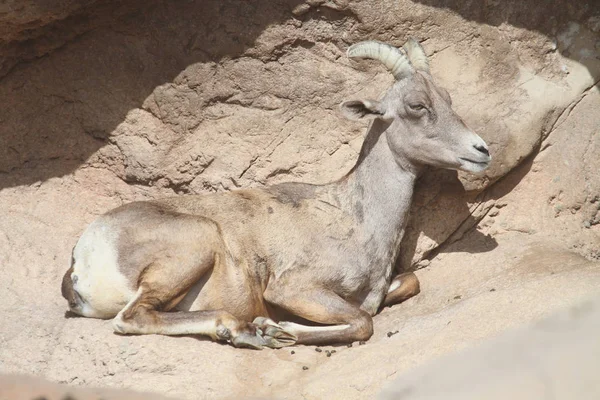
column 423, row 128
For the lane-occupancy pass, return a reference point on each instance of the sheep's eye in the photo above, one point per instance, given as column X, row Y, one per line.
column 417, row 107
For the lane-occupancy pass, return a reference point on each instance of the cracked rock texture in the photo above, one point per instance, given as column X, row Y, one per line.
column 113, row 101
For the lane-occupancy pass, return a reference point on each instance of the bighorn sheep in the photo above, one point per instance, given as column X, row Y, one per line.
column 308, row 264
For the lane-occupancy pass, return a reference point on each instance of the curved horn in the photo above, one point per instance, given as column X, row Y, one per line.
column 416, row 55
column 393, row 58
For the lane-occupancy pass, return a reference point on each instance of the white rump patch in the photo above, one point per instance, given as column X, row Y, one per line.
column 99, row 282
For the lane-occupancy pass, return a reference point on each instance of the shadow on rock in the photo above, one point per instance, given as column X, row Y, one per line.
column 62, row 108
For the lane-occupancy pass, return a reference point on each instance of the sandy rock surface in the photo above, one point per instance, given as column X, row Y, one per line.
column 556, row 358
column 120, row 101
column 21, row 387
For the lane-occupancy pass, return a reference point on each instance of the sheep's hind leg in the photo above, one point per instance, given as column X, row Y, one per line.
column 219, row 325
column 402, row 287
column 142, row 317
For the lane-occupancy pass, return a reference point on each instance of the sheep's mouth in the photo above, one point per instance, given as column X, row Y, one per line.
column 466, row 164
column 480, row 163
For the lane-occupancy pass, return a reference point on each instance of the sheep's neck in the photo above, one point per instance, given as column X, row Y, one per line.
column 378, row 191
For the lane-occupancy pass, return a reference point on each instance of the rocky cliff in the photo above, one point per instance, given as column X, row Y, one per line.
column 113, row 101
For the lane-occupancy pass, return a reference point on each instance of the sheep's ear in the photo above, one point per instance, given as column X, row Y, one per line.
column 362, row 109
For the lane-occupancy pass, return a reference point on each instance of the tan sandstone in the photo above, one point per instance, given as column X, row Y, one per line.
column 109, row 102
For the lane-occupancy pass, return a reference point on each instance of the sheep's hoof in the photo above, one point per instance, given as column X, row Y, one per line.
column 275, row 335
column 263, row 332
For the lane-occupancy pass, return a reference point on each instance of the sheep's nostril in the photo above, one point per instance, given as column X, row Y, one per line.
column 482, row 149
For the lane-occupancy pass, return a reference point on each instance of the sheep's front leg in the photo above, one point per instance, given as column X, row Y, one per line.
column 346, row 322
column 139, row 317
column 402, row 287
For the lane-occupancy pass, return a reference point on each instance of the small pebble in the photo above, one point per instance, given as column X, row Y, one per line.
column 292, row 352
column 361, row 342
column 318, row 349
column 492, row 290
column 305, row 367
column 328, row 353
column 390, row 334
column 457, row 297
column 332, row 351
column 349, row 345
